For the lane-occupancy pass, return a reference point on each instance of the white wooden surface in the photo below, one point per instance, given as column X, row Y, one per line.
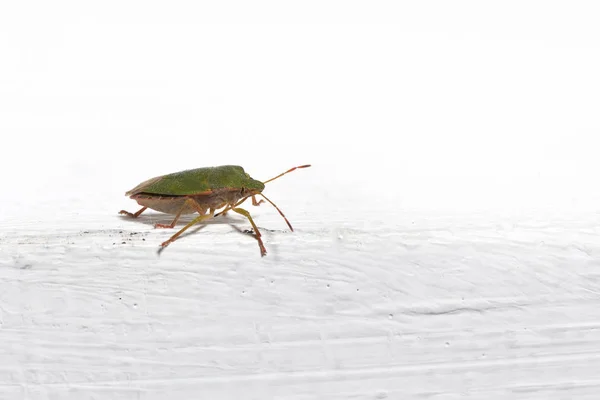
column 406, row 309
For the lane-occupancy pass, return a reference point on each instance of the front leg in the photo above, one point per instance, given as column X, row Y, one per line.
column 256, row 203
column 263, row 251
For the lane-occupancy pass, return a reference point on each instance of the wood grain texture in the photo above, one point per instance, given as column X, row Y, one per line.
column 429, row 308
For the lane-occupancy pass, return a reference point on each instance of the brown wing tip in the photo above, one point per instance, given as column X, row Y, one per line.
column 140, row 188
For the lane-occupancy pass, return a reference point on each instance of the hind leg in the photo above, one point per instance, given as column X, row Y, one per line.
column 132, row 215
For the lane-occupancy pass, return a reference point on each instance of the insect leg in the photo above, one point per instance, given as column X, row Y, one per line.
column 132, row 215
column 188, row 202
column 263, row 251
column 230, row 206
column 172, row 224
column 256, row 203
column 185, row 228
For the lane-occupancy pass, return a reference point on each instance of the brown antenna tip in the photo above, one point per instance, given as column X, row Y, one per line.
column 287, row 172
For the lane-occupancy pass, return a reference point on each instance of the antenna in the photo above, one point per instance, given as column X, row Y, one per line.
column 286, row 172
column 273, row 204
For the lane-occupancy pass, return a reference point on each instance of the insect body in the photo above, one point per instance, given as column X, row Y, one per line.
column 203, row 191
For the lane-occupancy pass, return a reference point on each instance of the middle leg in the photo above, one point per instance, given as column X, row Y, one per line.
column 185, row 228
column 188, row 203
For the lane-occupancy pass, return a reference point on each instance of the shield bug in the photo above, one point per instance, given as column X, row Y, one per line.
column 204, row 191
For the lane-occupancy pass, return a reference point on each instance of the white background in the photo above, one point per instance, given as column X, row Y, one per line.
column 446, row 238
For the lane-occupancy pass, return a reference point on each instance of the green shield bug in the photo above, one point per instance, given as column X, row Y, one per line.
column 205, row 191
